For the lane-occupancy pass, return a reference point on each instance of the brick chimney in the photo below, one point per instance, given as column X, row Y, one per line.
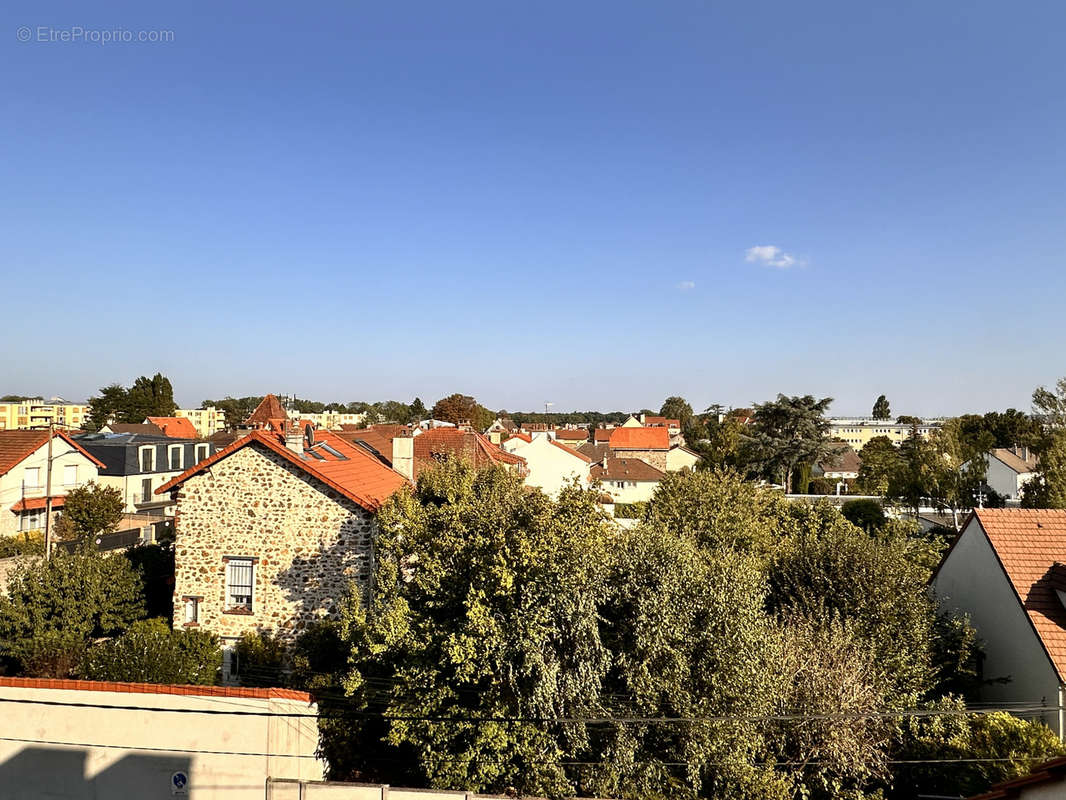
column 403, row 456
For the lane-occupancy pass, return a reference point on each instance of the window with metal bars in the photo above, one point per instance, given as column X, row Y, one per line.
column 240, row 580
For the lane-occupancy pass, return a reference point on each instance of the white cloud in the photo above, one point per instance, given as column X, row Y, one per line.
column 686, row 285
column 772, row 256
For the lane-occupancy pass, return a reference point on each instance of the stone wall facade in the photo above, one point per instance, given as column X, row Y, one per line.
column 657, row 458
column 308, row 543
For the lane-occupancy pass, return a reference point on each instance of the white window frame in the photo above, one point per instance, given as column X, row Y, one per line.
column 70, row 470
column 232, row 564
column 192, row 610
column 180, row 450
column 36, row 472
column 202, row 448
column 140, row 458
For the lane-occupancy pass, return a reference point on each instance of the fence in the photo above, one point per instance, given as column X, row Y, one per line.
column 286, row 789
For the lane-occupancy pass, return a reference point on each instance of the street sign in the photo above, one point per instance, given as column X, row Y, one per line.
column 179, row 783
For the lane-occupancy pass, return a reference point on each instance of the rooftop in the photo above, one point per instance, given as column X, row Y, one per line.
column 16, row 445
column 639, row 439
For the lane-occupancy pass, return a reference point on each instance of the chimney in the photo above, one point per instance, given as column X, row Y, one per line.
column 403, row 456
column 294, row 438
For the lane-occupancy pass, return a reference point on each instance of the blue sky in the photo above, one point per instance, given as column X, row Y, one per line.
column 530, row 202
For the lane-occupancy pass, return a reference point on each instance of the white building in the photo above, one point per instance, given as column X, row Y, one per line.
column 1009, row 471
column 24, row 476
column 627, row 480
column 551, row 465
column 679, row 457
column 1005, row 571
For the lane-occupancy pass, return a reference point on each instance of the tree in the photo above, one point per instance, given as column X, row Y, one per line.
column 882, row 409
column 149, row 397
column 418, row 411
column 865, row 514
column 150, row 652
column 1048, row 488
column 881, row 462
column 55, row 608
column 235, row 409
column 262, row 659
column 90, row 511
column 458, row 407
column 484, row 605
column 106, row 408
column 788, row 431
column 676, row 408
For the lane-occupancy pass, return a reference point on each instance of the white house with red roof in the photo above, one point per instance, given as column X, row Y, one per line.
column 24, row 476
column 550, row 465
column 273, row 530
column 1006, row 570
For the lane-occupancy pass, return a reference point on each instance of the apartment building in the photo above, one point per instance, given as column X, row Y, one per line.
column 857, row 431
column 207, row 421
column 36, row 412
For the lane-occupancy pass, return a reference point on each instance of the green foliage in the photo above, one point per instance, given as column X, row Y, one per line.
column 55, row 608
column 262, row 660
column 484, row 605
column 150, row 652
column 458, row 407
column 1048, row 488
column 786, row 432
column 636, row 510
column 235, row 409
column 974, row 751
column 24, row 543
column 90, row 511
column 881, row 462
column 676, row 408
column 717, row 510
column 865, row 514
column 147, row 397
column 881, row 408
column 155, row 563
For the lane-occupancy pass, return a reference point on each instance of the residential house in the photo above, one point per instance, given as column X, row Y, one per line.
column 572, row 436
column 648, row 444
column 24, row 476
column 175, row 427
column 550, row 465
column 602, row 435
column 272, row 530
column 1009, row 469
column 627, row 480
column 1006, row 570
column 36, row 412
column 679, row 457
column 432, row 446
column 842, row 463
column 672, row 425
column 139, row 463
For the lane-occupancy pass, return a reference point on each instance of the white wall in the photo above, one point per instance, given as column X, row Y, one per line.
column 63, row 455
column 971, row 581
column 550, row 466
column 632, row 491
column 1004, row 480
column 677, row 458
column 128, row 753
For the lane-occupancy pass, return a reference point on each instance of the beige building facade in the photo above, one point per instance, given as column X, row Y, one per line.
column 857, row 431
column 207, row 421
column 40, row 413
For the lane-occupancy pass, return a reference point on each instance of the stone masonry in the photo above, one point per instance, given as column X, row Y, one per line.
column 309, row 543
column 657, row 458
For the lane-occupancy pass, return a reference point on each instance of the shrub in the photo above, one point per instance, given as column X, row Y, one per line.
column 25, row 543
column 865, row 514
column 150, row 652
column 262, row 660
column 631, row 510
column 155, row 562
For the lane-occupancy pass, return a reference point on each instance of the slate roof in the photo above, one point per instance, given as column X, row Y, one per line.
column 16, row 445
column 175, row 427
column 350, row 470
column 627, row 469
column 1031, row 546
column 640, row 439
column 146, row 428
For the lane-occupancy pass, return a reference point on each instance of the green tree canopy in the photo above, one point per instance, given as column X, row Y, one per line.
column 53, row 609
column 789, row 431
column 676, row 408
column 881, row 408
column 147, row 397
column 90, row 511
column 458, row 407
column 150, row 652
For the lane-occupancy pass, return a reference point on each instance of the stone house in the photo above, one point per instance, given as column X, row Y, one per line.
column 650, row 445
column 272, row 530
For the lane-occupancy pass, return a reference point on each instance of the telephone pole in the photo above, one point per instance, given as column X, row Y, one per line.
column 48, row 496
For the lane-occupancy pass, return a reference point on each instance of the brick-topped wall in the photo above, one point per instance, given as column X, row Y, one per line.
column 309, row 543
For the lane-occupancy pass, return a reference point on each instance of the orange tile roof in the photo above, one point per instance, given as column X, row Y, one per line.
column 571, row 451
column 358, row 475
column 470, row 446
column 17, row 445
column 175, row 427
column 268, row 409
column 579, row 435
column 525, row 437
column 1029, row 543
column 603, row 434
column 38, row 503
column 658, row 422
column 640, row 439
column 154, row 688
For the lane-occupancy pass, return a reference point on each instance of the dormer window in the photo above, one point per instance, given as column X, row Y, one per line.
column 148, row 459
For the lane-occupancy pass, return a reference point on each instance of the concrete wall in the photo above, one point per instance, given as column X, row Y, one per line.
column 84, row 753
column 1004, row 480
column 971, row 581
column 310, row 543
